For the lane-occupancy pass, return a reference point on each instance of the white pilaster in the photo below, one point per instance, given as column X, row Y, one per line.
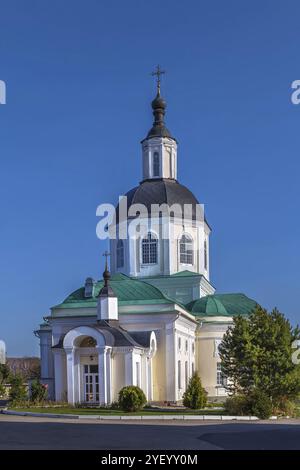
column 171, row 361
column 59, row 369
column 129, row 368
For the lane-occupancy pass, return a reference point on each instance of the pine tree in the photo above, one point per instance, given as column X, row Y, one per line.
column 195, row 396
column 18, row 391
column 256, row 354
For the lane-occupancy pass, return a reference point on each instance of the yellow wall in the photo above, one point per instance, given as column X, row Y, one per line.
column 159, row 369
column 118, row 374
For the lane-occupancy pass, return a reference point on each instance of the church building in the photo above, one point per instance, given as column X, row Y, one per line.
column 154, row 319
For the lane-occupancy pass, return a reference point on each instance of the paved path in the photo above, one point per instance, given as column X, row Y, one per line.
column 44, row 433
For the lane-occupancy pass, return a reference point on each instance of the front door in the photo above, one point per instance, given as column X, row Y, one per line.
column 91, row 383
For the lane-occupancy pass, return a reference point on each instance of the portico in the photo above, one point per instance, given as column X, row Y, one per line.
column 86, row 366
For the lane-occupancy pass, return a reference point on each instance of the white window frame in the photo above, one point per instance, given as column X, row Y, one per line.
column 186, row 255
column 221, row 379
column 151, row 243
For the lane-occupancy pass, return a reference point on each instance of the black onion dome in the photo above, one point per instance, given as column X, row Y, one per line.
column 161, row 191
column 159, row 109
column 158, row 102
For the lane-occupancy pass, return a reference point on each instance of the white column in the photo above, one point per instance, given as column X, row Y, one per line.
column 144, row 374
column 76, row 375
column 102, row 369
column 70, row 375
column 109, row 374
column 149, row 374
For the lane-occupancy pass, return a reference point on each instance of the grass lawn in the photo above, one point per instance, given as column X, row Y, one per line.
column 104, row 411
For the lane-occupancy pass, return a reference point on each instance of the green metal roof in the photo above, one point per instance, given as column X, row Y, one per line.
column 129, row 292
column 223, row 305
column 185, row 273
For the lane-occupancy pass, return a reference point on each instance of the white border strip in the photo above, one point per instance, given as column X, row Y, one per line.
column 168, row 417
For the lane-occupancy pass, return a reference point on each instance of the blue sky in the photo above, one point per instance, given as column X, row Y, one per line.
column 78, row 104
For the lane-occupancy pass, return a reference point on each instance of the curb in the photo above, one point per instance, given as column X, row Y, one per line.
column 136, row 417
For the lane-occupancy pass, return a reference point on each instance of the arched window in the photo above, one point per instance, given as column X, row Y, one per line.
column 205, row 254
column 156, row 166
column 149, row 249
column 186, row 250
column 120, row 254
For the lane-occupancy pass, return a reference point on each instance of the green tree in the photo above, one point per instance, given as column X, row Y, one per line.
column 256, row 354
column 4, row 374
column 195, row 395
column 4, row 377
column 39, row 391
column 18, row 389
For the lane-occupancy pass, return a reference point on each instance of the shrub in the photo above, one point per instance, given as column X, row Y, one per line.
column 256, row 403
column 18, row 389
column 39, row 391
column 45, row 404
column 114, row 405
column 4, row 374
column 131, row 398
column 260, row 404
column 2, row 390
column 195, row 396
column 237, row 405
column 285, row 407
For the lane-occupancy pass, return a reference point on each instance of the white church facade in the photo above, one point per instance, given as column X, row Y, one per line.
column 155, row 319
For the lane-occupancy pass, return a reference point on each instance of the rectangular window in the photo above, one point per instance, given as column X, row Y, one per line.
column 94, row 369
column 156, row 169
column 221, row 379
column 186, row 250
column 149, row 249
column 179, row 374
column 186, row 374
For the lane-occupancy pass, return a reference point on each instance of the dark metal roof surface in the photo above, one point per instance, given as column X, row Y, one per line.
column 115, row 335
column 161, row 191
